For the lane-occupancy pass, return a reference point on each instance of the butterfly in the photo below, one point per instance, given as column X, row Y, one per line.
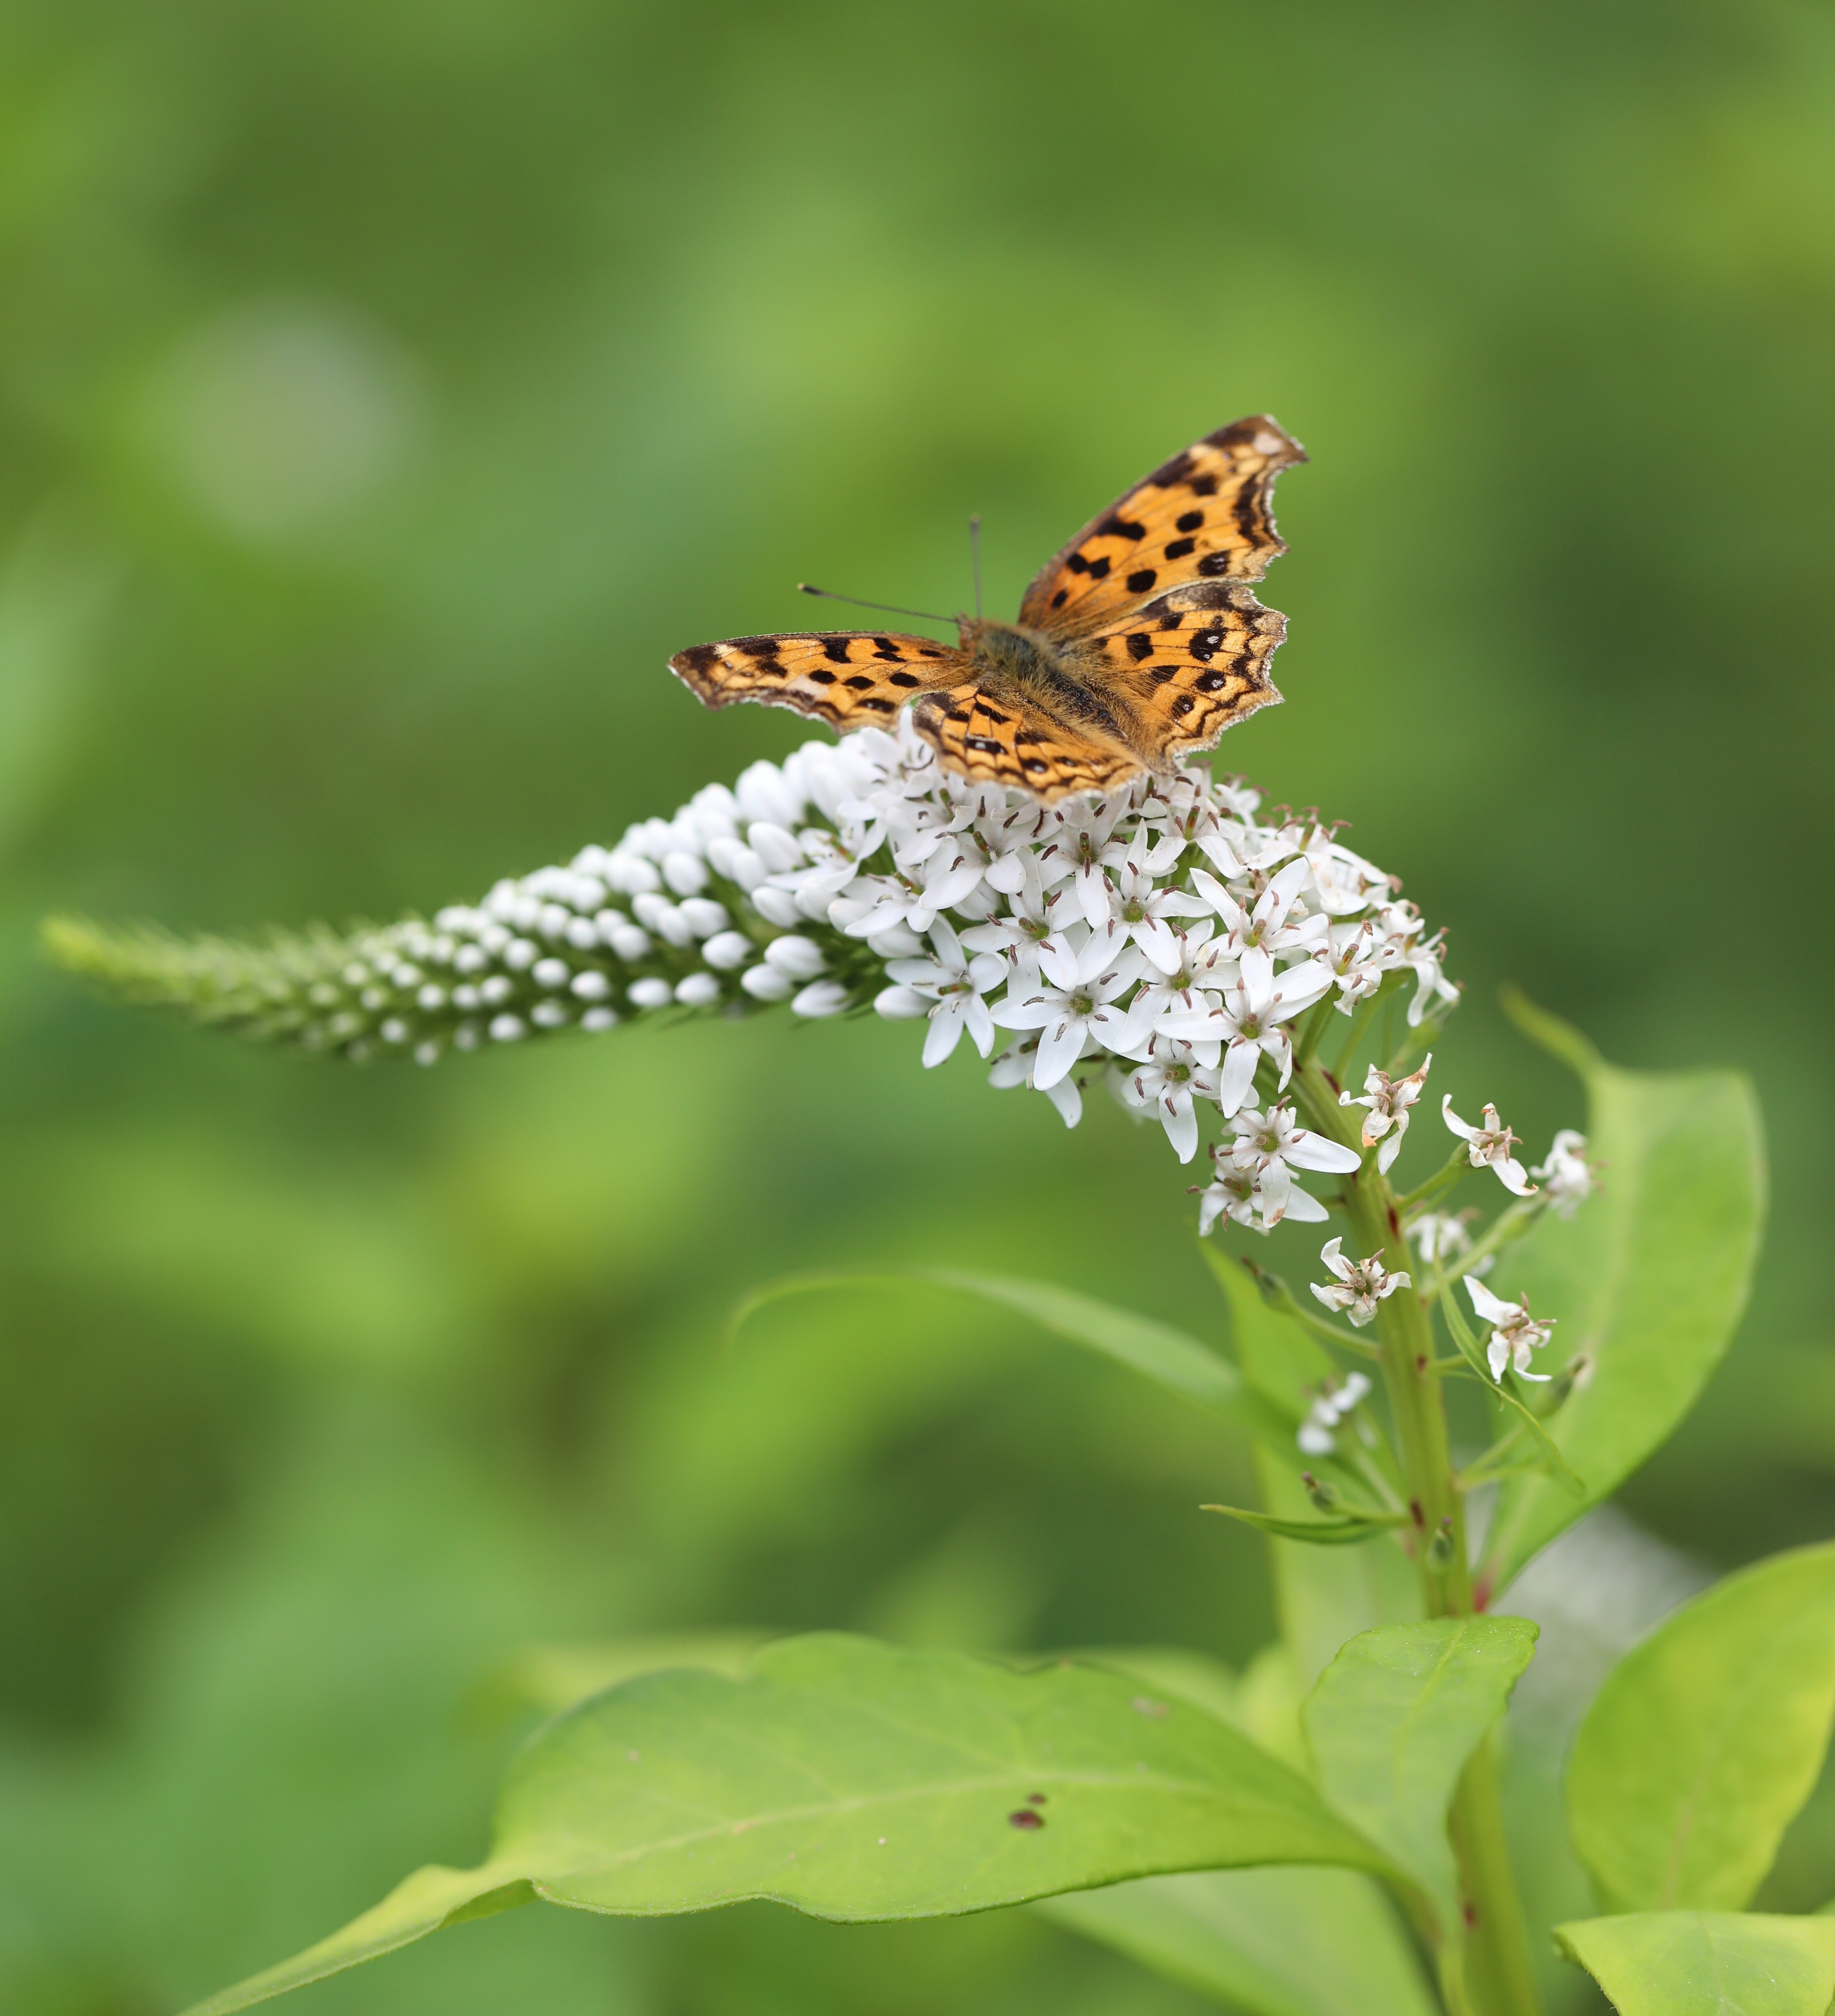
column 1137, row 645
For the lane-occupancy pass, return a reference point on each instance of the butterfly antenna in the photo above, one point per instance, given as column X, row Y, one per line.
column 975, row 555
column 891, row 608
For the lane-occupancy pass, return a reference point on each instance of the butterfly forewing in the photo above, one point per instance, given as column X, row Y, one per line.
column 852, row 679
column 1191, row 663
column 1203, row 516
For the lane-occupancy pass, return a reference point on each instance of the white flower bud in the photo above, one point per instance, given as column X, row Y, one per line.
column 470, row 959
column 394, row 1031
column 823, row 998
column 591, row 986
column 703, row 916
column 596, row 1020
column 796, row 958
column 649, row 992
column 497, row 988
column 550, row 1014
column 777, row 906
column 765, row 983
column 630, row 875
column 550, row 972
column 431, row 998
column 737, row 863
column 553, row 919
column 466, row 998
column 656, row 914
column 629, row 943
column 779, row 850
column 520, row 953
column 373, row 998
column 901, row 1004
column 507, row 1028
column 699, row 990
column 582, row 934
column 727, row 950
column 427, row 1053
column 466, row 1036
column 686, row 873
column 763, row 792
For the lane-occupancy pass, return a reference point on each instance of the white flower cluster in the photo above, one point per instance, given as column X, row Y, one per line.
column 1165, row 937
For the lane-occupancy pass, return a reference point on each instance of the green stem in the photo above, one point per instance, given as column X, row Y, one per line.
column 1499, row 1978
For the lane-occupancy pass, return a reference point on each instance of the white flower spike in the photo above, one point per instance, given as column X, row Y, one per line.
column 1318, row 1434
column 1360, row 1284
column 1489, row 1147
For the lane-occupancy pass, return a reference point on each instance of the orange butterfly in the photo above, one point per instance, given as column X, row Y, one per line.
column 1137, row 645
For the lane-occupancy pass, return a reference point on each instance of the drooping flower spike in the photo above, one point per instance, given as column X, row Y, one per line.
column 1167, row 938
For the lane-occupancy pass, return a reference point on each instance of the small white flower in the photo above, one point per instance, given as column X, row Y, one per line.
column 1568, row 1173
column 1243, row 1196
column 1273, row 1146
column 1166, row 1085
column 1317, row 1436
column 820, row 999
column 1071, row 1006
column 1442, row 1236
column 1489, row 1147
column 1078, row 843
column 1515, row 1334
column 1360, row 1285
column 1144, row 909
column 953, row 984
column 1249, row 1021
column 1389, row 1100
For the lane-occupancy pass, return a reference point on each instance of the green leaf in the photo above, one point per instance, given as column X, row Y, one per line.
column 1392, row 1721
column 1324, row 1595
column 1156, row 1350
column 550, row 1678
column 1334, row 1530
column 855, row 1780
column 1649, row 1277
column 1271, row 1941
column 1707, row 1963
column 1706, row 1738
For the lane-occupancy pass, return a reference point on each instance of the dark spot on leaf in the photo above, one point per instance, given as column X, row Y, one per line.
column 1035, row 1799
column 1027, row 1821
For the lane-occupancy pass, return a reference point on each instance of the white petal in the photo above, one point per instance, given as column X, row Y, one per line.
column 1333, row 1254
column 1307, row 1151
column 1160, row 941
column 979, row 1023
column 1452, row 1119
column 1303, row 1209
column 1181, row 1124
column 1486, row 1306
column 944, row 1034
column 1028, row 1011
column 1386, row 1154
column 1058, row 1048
column 1093, row 893
column 1069, row 1101
column 1239, row 1075
column 1498, row 1354
column 1512, row 1175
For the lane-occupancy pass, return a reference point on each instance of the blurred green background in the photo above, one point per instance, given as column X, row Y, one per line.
column 386, row 389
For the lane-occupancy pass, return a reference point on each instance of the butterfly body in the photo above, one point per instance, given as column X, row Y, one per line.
column 1140, row 643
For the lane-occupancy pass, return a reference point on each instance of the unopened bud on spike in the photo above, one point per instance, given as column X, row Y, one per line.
column 1323, row 1496
column 1440, row 1547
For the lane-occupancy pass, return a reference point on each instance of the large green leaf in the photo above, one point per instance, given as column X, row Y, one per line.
column 855, row 1780
column 1324, row 1595
column 1392, row 1721
column 1156, row 1350
column 1707, row 1963
column 1706, row 1738
column 1649, row 1277
column 1271, row 1941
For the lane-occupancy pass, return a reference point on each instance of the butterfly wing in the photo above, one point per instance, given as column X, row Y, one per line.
column 996, row 737
column 1203, row 516
column 1188, row 665
column 851, row 679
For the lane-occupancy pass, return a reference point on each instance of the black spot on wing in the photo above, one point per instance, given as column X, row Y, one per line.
column 1139, row 645
column 1190, row 521
column 1116, row 526
column 1176, row 550
column 1139, row 581
column 904, row 679
column 837, row 649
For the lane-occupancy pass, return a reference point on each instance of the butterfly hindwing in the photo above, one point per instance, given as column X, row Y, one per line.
column 1190, row 664
column 1203, row 516
column 998, row 738
column 851, row 679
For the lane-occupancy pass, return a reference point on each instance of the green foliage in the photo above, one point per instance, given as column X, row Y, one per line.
column 1706, row 1740
column 1393, row 1720
column 1649, row 1279
column 1267, row 1942
column 855, row 1781
column 1707, row 1963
